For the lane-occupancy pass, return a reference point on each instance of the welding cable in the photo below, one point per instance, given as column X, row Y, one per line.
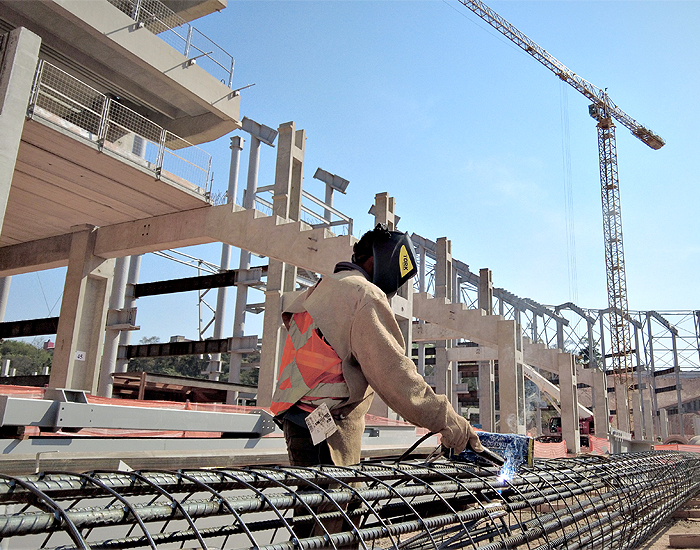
column 413, row 447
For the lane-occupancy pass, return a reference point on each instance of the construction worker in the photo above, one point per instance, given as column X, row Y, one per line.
column 343, row 345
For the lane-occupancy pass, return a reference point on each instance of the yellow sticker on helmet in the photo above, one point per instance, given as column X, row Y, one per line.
column 405, row 261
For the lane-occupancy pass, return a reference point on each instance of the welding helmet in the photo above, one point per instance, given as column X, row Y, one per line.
column 394, row 259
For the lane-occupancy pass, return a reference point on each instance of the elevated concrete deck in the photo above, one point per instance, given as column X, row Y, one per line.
column 61, row 181
column 94, row 39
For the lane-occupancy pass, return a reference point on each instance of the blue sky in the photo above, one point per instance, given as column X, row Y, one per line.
column 423, row 100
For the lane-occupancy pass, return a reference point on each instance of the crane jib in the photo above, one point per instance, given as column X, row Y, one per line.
column 595, row 94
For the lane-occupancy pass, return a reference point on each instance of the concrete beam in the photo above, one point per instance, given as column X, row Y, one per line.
column 430, row 332
column 540, row 356
column 293, row 242
column 473, row 324
column 190, row 10
column 473, row 354
column 35, row 255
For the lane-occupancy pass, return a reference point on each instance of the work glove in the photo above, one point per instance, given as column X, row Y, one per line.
column 459, row 434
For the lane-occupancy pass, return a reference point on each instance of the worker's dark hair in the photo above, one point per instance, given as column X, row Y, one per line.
column 364, row 248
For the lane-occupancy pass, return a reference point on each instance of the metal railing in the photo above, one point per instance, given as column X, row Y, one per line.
column 314, row 219
column 179, row 34
column 82, row 110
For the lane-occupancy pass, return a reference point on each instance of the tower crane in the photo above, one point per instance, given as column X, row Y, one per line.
column 603, row 110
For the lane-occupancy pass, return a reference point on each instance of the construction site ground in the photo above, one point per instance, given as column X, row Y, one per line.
column 678, row 531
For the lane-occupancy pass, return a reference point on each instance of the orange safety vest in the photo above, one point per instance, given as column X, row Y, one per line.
column 311, row 373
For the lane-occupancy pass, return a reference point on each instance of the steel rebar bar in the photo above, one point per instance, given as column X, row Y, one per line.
column 585, row 502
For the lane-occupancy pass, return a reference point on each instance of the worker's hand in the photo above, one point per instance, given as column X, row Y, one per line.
column 458, row 434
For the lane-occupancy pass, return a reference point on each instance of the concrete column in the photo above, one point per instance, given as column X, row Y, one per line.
column 421, row 288
column 487, row 373
column 289, row 175
column 111, row 345
column 125, row 336
column 273, row 343
column 4, row 295
column 646, row 430
column 443, row 289
column 534, row 330
column 83, row 315
column 511, row 381
column 560, row 335
column 214, row 367
column 280, row 277
column 637, row 417
column 443, row 370
column 5, row 367
column 289, row 172
column 569, row 403
column 648, row 424
column 663, row 424
column 327, row 215
column 601, row 410
column 538, row 412
column 333, row 183
column 679, row 397
column 384, row 210
column 621, row 413
column 18, row 60
column 234, row 374
column 652, row 378
column 443, row 269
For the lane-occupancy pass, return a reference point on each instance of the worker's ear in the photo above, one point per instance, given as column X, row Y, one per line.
column 368, row 266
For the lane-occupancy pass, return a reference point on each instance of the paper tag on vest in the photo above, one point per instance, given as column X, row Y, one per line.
column 320, row 424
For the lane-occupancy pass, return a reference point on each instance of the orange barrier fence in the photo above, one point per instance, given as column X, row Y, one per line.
column 27, row 392
column 550, row 450
column 598, row 445
column 678, row 447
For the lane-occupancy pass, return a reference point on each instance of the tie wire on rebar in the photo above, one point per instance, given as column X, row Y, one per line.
column 585, row 502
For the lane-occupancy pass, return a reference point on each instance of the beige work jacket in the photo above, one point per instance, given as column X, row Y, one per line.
column 356, row 320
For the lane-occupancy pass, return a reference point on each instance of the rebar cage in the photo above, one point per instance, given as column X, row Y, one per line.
column 586, row 502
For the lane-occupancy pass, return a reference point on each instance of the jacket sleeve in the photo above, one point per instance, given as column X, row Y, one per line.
column 377, row 344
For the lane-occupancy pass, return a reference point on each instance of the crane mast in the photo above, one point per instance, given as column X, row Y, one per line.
column 603, row 110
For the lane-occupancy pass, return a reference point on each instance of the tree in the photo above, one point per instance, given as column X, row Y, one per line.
column 178, row 365
column 583, row 354
column 250, row 376
column 25, row 358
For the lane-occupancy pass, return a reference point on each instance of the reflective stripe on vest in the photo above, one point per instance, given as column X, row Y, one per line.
column 311, row 372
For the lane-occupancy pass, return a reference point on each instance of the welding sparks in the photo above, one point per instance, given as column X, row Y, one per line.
column 507, row 472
